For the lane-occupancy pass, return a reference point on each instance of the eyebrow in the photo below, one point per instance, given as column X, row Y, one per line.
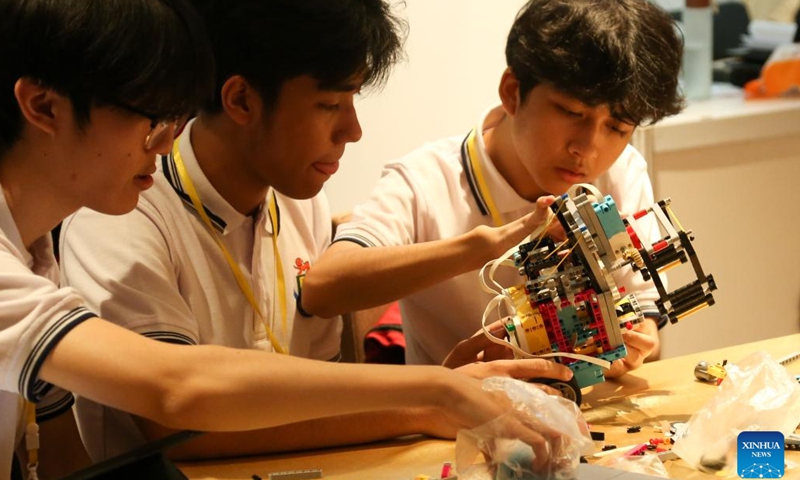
column 340, row 87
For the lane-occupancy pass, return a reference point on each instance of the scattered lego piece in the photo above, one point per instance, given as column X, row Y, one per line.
column 635, row 429
column 597, row 436
column 447, row 469
column 636, row 450
column 710, row 373
column 789, row 358
column 610, row 446
column 296, row 475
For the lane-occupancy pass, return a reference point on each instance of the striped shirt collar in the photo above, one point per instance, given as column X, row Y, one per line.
column 505, row 198
column 223, row 216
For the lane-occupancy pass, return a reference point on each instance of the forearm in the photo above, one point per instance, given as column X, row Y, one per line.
column 320, row 433
column 349, row 277
column 219, row 389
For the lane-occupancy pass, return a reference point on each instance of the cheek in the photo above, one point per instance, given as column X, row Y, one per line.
column 613, row 152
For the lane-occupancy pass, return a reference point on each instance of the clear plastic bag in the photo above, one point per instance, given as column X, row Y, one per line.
column 501, row 458
column 758, row 394
column 647, row 464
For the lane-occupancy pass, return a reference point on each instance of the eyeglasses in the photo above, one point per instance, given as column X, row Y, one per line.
column 159, row 129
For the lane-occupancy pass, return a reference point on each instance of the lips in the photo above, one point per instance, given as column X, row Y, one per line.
column 143, row 181
column 328, row 168
column 570, row 176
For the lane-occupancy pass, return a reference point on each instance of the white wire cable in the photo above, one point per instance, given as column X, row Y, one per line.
column 574, row 191
column 502, row 297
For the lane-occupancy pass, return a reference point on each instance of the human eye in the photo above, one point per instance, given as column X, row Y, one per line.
column 568, row 111
column 329, row 107
column 620, row 128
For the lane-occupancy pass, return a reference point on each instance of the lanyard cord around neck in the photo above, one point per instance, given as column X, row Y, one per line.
column 244, row 286
column 474, row 160
column 32, row 440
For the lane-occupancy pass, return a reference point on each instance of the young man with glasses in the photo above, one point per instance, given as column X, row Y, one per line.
column 216, row 252
column 67, row 142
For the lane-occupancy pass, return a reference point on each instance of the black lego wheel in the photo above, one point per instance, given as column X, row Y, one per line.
column 569, row 389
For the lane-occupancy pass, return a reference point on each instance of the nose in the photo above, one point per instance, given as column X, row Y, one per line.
column 349, row 130
column 162, row 143
column 584, row 143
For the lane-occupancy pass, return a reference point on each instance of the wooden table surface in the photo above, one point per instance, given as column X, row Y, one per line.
column 663, row 391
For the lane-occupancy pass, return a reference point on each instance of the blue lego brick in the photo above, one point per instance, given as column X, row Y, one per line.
column 586, row 374
column 568, row 318
column 616, row 354
column 609, row 217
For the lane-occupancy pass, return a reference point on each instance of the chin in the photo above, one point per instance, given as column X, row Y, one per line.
column 301, row 192
column 115, row 208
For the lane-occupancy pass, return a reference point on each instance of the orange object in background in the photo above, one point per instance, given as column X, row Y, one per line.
column 780, row 76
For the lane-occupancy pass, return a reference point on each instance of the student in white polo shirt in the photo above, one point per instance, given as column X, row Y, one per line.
column 88, row 97
column 581, row 75
column 253, row 162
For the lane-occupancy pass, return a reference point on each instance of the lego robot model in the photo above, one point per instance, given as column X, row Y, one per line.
column 569, row 307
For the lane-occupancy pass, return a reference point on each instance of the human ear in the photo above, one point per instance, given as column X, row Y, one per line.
column 509, row 91
column 40, row 106
column 239, row 100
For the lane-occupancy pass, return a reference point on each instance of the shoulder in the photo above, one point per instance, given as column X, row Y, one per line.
column 441, row 156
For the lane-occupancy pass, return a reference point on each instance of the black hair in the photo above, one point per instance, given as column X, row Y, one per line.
column 333, row 41
column 623, row 53
column 151, row 54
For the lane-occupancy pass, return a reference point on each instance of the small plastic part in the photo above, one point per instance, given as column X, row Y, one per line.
column 296, row 475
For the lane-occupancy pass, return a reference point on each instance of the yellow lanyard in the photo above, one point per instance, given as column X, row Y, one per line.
column 245, row 287
column 472, row 153
column 31, row 439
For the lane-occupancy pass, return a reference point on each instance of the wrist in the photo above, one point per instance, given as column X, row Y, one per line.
column 481, row 246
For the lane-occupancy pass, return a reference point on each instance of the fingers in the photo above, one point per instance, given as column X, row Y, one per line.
column 644, row 343
column 618, row 368
column 529, row 368
column 556, row 232
column 469, row 350
column 540, row 215
column 548, row 389
column 479, row 347
column 640, row 342
column 496, row 352
column 544, row 441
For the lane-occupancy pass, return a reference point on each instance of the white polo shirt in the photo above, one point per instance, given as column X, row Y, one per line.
column 34, row 315
column 431, row 194
column 158, row 271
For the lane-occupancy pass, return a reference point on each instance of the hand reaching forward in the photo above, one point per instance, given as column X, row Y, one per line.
column 494, row 409
column 499, row 239
column 641, row 342
column 480, row 358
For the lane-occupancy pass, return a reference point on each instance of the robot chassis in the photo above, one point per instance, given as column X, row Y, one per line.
column 569, row 306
